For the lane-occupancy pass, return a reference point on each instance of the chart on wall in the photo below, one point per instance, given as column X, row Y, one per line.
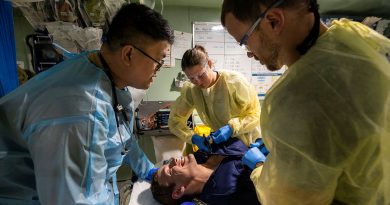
column 226, row 54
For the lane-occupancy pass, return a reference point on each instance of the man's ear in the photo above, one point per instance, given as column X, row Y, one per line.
column 209, row 63
column 178, row 191
column 275, row 20
column 126, row 54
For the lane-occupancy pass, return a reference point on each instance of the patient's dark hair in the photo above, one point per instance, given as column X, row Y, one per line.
column 163, row 194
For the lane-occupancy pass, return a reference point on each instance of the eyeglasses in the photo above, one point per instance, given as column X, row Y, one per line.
column 244, row 39
column 159, row 64
column 199, row 76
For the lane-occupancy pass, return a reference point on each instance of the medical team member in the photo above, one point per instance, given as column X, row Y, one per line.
column 65, row 132
column 224, row 100
column 326, row 121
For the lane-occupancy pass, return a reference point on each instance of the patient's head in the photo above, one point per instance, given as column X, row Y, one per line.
column 178, row 181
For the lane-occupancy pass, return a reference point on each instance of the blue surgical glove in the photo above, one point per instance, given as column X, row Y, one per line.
column 260, row 145
column 200, row 142
column 150, row 174
column 222, row 135
column 252, row 157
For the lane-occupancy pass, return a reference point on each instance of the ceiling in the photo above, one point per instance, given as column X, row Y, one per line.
column 378, row 8
column 192, row 3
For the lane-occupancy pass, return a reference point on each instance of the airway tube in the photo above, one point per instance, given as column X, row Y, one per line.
column 8, row 71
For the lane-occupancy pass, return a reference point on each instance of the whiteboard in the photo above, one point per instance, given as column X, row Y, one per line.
column 182, row 43
column 226, row 54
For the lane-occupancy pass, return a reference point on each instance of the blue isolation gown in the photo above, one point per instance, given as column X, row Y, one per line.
column 59, row 143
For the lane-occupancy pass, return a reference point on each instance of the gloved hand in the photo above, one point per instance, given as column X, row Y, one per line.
column 252, row 157
column 260, row 145
column 151, row 173
column 222, row 135
column 200, row 142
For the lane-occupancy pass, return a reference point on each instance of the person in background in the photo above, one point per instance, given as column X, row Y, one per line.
column 218, row 177
column 326, row 121
column 224, row 100
column 64, row 133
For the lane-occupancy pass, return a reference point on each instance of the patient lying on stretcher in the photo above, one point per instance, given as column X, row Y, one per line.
column 218, row 177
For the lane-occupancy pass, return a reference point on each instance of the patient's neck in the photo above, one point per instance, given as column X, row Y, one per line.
column 213, row 162
column 203, row 173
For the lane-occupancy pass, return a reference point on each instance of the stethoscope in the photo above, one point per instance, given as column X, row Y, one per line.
column 116, row 106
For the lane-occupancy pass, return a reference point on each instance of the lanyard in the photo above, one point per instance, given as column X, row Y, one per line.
column 116, row 106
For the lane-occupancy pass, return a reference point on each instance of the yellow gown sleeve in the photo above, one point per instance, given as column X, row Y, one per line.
column 255, row 177
column 180, row 112
column 248, row 104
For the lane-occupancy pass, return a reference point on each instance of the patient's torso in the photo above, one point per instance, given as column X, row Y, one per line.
column 230, row 182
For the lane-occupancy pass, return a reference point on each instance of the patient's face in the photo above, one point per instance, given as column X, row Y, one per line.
column 179, row 171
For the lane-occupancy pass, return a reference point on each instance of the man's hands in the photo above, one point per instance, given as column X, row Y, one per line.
column 260, row 145
column 256, row 154
column 222, row 135
column 201, row 142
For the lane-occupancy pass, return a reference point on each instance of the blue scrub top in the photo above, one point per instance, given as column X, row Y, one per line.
column 230, row 183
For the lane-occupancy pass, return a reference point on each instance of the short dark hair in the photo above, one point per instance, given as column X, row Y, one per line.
column 135, row 21
column 194, row 56
column 163, row 194
column 249, row 10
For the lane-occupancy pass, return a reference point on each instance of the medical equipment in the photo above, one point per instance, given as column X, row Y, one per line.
column 43, row 52
column 203, row 142
column 162, row 117
column 202, row 130
column 65, row 10
column 168, row 161
column 116, row 106
column 180, row 79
